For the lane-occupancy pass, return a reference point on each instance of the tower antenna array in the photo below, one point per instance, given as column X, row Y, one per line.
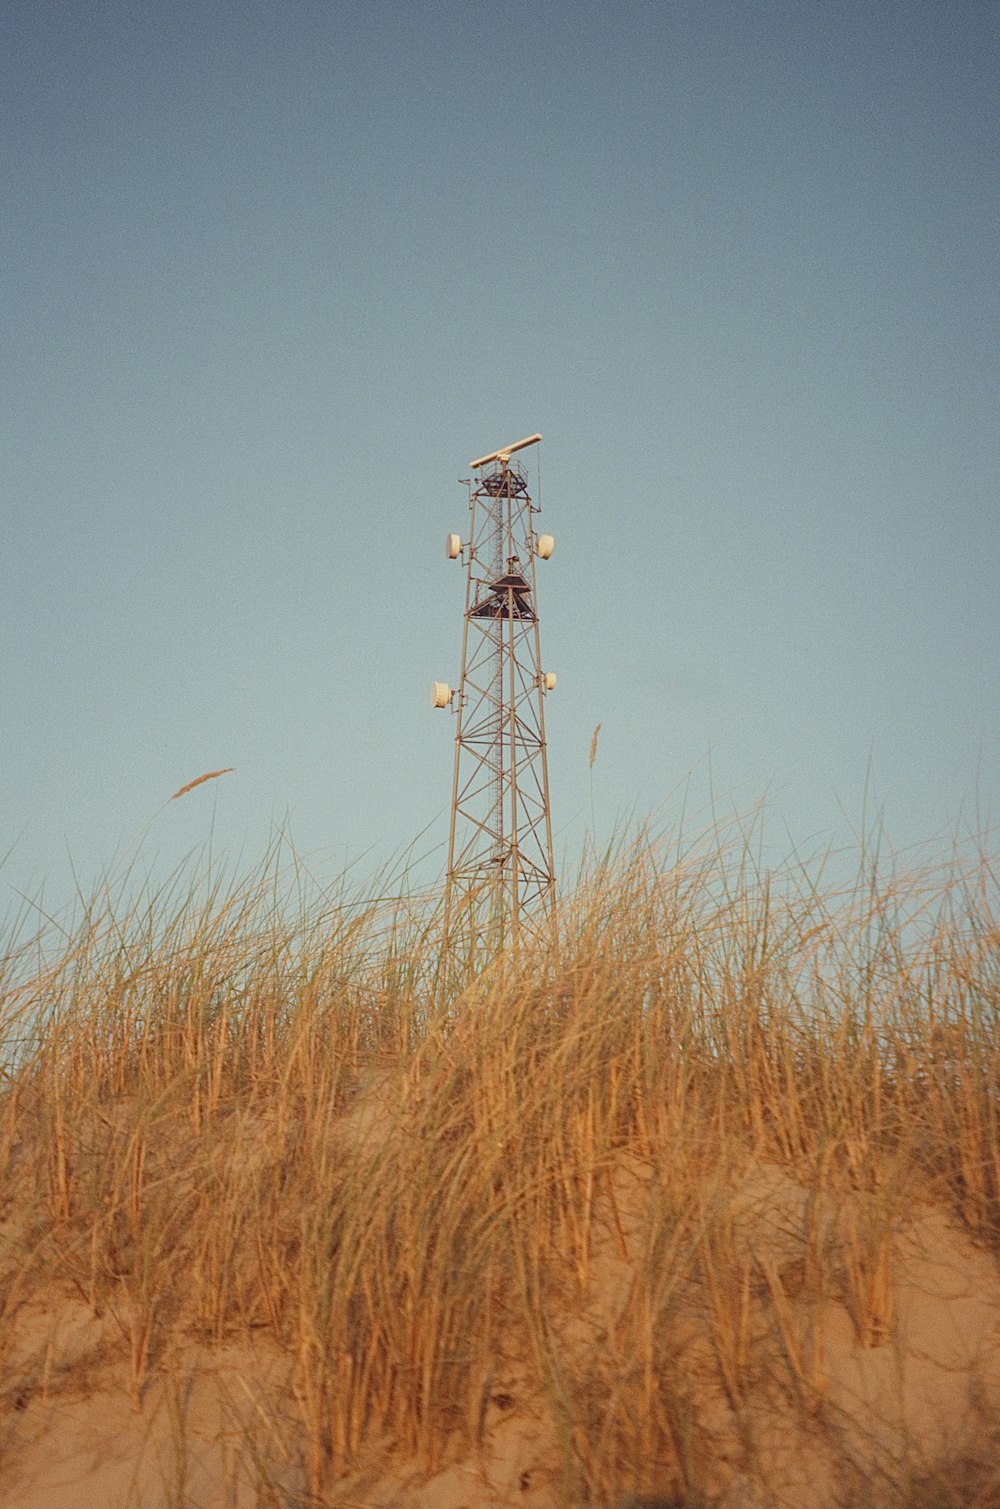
column 501, row 876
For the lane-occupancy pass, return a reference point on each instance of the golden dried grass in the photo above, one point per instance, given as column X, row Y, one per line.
column 632, row 1183
column 210, row 775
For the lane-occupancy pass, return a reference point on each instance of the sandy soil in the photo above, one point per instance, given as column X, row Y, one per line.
column 902, row 1366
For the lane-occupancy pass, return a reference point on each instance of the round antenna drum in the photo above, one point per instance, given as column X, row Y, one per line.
column 441, row 694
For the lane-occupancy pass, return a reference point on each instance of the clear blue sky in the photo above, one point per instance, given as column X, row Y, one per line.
column 273, row 273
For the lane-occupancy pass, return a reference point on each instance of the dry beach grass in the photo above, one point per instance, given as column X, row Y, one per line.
column 697, row 1204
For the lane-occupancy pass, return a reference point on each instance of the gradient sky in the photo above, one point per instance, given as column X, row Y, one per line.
column 273, row 273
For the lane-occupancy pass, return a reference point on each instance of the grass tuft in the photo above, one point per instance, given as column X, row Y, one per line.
column 637, row 1198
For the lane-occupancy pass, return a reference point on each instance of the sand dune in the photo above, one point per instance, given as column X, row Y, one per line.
column 698, row 1204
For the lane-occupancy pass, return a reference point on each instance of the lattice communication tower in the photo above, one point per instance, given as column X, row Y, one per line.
column 501, row 877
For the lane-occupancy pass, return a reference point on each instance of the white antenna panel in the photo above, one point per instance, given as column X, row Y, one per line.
column 506, row 453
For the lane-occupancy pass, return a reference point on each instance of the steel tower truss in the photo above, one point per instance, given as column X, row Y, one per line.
column 501, row 875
